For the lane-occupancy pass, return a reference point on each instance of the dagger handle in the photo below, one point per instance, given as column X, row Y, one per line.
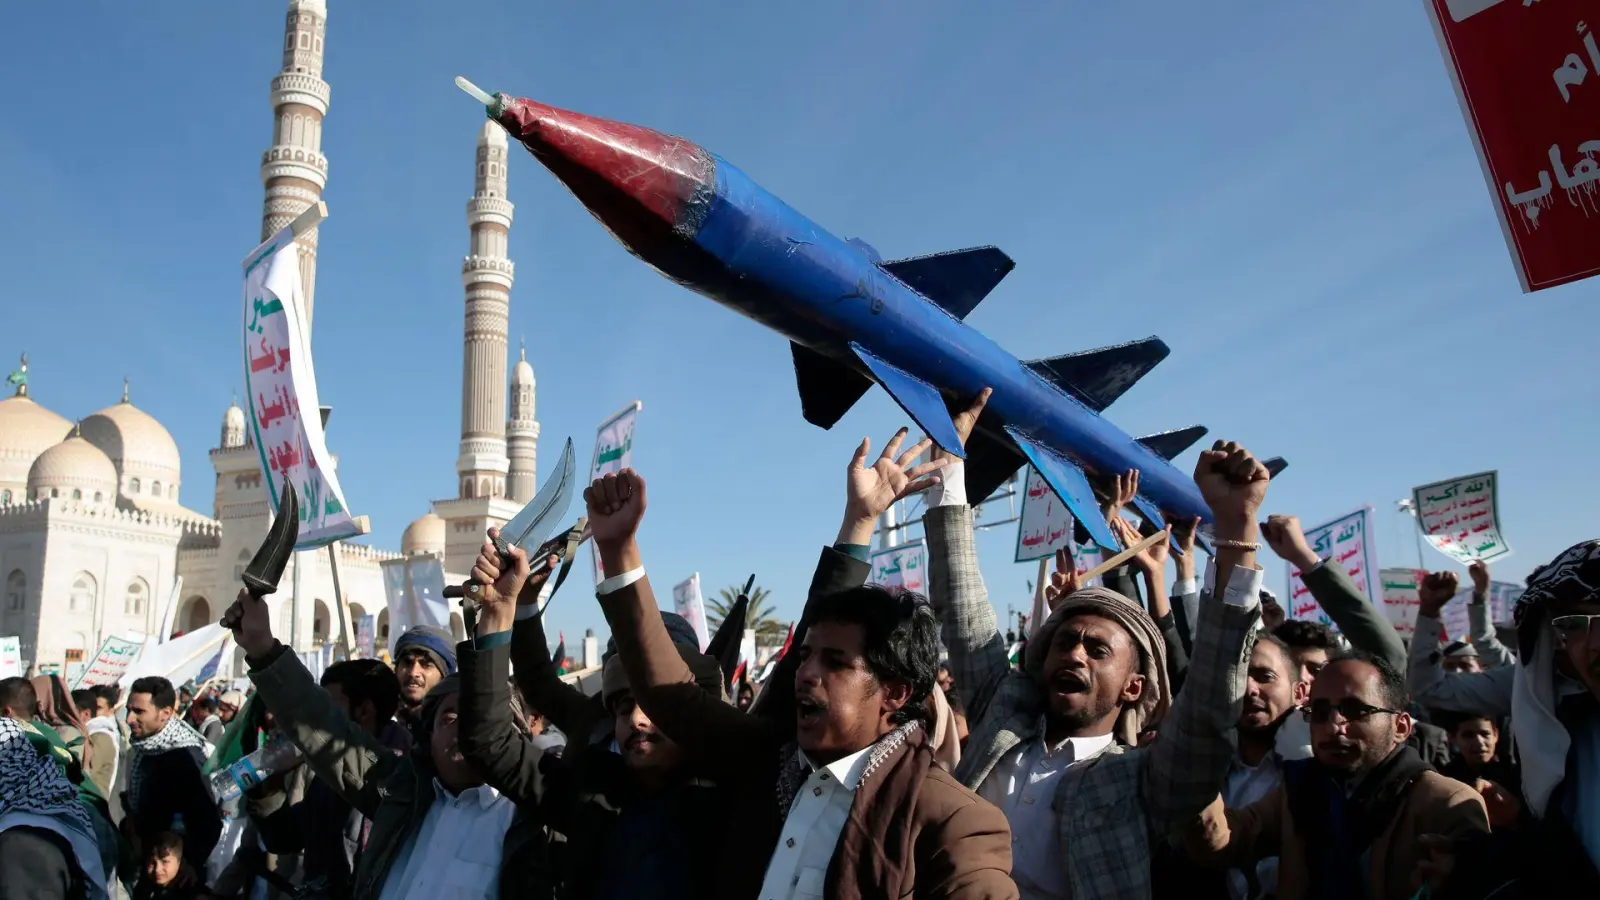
column 506, row 561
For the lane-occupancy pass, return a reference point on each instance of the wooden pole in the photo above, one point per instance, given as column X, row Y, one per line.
column 1124, row 556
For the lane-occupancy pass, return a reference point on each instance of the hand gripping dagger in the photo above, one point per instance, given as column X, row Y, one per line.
column 530, row 526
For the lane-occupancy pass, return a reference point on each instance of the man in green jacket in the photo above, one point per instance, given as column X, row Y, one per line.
column 435, row 829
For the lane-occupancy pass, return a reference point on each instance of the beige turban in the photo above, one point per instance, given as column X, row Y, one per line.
column 1157, row 696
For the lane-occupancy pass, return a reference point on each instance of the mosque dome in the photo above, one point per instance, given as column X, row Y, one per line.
column 425, row 535
column 74, row 469
column 144, row 453
column 233, row 427
column 26, row 431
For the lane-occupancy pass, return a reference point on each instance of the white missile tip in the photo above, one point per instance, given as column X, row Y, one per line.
column 476, row 92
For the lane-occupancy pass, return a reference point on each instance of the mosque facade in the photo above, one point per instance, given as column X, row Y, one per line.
column 93, row 539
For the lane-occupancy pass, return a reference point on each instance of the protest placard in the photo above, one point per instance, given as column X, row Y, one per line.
column 108, row 666
column 10, row 657
column 613, row 452
column 905, row 566
column 687, row 601
column 1460, row 517
column 1347, row 542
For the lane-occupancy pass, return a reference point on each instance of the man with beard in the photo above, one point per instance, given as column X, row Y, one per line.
column 1350, row 822
column 423, row 657
column 436, row 829
column 1055, row 744
column 164, row 773
column 862, row 809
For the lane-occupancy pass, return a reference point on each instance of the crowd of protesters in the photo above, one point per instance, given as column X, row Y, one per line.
column 1155, row 736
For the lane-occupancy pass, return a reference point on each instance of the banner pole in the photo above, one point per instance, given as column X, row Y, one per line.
column 338, row 600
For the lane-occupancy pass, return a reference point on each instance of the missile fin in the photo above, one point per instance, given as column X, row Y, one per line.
column 1152, row 516
column 1168, row 444
column 1071, row 485
column 956, row 280
column 827, row 388
column 1099, row 377
column 1276, row 465
column 921, row 401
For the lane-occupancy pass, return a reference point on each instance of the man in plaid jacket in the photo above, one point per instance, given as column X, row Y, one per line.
column 1051, row 742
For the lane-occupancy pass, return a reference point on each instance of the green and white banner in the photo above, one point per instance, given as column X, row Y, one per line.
column 281, row 395
column 613, row 452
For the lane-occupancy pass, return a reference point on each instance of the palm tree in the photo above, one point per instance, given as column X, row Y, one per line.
column 760, row 615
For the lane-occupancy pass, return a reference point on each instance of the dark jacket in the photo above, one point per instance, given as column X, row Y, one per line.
column 323, row 827
column 911, row 823
column 173, row 787
column 394, row 792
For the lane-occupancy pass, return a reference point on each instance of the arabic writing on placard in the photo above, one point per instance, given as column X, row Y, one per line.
column 1346, row 542
column 1401, row 598
column 613, row 452
column 1460, row 518
column 1524, row 73
column 111, row 663
column 1045, row 525
column 904, row 566
column 279, row 384
column 10, row 657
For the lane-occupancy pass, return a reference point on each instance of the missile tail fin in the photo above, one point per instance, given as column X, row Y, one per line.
column 1099, row 377
column 1071, row 485
column 921, row 401
column 1168, row 444
column 956, row 280
column 827, row 388
column 1276, row 465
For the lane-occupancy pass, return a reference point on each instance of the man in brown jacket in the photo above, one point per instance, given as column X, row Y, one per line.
column 861, row 809
column 1349, row 821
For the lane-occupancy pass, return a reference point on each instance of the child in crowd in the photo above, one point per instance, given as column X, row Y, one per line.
column 166, row 876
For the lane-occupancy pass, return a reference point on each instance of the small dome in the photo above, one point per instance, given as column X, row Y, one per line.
column 492, row 134
column 26, row 430
column 144, row 453
column 232, row 427
column 425, row 535
column 522, row 373
column 73, row 465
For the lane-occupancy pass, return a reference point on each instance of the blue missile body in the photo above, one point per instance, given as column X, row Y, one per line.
column 855, row 320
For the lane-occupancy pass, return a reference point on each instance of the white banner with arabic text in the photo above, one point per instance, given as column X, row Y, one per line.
column 613, row 452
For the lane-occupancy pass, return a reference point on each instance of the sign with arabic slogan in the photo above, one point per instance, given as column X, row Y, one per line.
column 687, row 601
column 613, row 452
column 905, row 566
column 1461, row 517
column 281, row 395
column 1527, row 75
column 1346, row 542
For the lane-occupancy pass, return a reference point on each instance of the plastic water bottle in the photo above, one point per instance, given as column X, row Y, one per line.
column 276, row 755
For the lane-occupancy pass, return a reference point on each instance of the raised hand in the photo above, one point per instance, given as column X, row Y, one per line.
column 1123, row 488
column 1284, row 535
column 1435, row 591
column 502, row 583
column 251, row 624
column 1152, row 560
column 1272, row 615
column 616, row 506
column 966, row 420
column 1234, row 484
column 871, row 490
column 1185, row 534
column 1479, row 570
column 1063, row 581
column 529, row 595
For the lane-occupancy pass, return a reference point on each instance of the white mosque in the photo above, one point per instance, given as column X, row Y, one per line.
column 92, row 537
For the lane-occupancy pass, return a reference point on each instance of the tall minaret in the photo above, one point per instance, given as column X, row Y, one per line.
column 522, row 434
column 293, row 168
column 486, row 274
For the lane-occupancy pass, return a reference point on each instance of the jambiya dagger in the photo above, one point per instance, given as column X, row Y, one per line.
column 854, row 319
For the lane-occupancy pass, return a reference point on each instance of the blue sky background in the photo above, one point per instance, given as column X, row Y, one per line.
column 1285, row 192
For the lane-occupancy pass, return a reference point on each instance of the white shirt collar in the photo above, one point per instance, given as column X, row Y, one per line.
column 484, row 795
column 1082, row 747
column 847, row 770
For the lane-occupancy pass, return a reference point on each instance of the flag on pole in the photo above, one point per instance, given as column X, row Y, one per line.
column 281, row 406
column 414, row 587
column 613, row 452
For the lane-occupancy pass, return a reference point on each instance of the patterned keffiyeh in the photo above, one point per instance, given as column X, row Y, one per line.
column 31, row 780
column 177, row 735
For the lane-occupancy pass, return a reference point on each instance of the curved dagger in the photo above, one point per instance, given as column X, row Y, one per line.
column 265, row 570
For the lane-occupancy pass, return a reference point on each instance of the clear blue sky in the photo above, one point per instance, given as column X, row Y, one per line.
column 1285, row 192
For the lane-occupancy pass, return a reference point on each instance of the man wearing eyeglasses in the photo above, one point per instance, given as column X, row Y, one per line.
column 1349, row 822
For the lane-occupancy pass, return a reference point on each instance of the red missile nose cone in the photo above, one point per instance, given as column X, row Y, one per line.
column 634, row 180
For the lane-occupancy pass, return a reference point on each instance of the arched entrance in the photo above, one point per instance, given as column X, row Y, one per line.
column 195, row 614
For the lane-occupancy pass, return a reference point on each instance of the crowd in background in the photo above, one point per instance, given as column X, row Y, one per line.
column 1157, row 735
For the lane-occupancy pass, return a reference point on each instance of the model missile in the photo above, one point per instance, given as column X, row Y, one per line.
column 854, row 319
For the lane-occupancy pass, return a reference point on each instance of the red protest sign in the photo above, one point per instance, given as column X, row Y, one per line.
column 1527, row 73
